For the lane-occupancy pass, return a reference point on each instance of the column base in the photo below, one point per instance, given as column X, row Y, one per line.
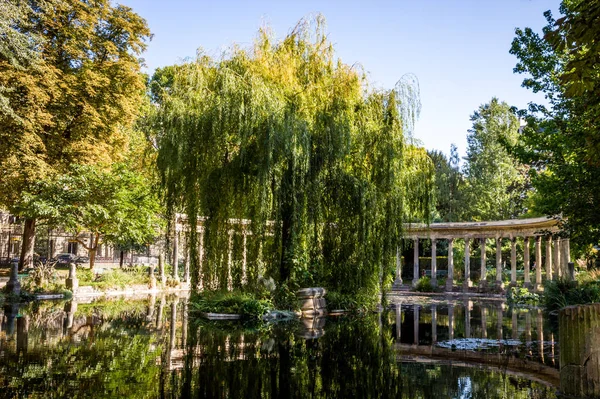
column 414, row 282
column 499, row 284
column 449, row 285
column 512, row 284
column 434, row 282
column 397, row 283
column 466, row 285
column 527, row 285
column 538, row 287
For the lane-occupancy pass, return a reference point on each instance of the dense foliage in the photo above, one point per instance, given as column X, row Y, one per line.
column 561, row 140
column 68, row 95
column 286, row 136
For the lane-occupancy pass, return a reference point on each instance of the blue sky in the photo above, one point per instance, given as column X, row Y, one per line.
column 458, row 49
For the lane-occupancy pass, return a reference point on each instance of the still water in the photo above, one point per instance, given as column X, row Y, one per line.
column 153, row 348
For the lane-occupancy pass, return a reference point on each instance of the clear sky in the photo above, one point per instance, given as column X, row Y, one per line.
column 458, row 49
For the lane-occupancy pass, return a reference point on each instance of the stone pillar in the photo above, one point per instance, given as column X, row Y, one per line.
column 483, row 322
column 244, row 257
column 434, row 324
column 513, row 261
column 566, row 257
column 176, row 256
column 13, row 286
column 538, row 263
column 450, row 277
column 527, row 263
column 398, row 321
column 556, row 258
column 549, row 258
column 398, row 280
column 152, row 277
column 72, row 282
column 467, row 280
column 416, row 324
column 579, row 343
column 483, row 271
column 499, row 283
column 186, row 267
column 161, row 268
column 434, row 262
column 416, row 262
column 230, row 261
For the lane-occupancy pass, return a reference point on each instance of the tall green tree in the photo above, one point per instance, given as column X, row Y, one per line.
column 497, row 186
column 562, row 139
column 288, row 137
column 449, row 186
column 75, row 104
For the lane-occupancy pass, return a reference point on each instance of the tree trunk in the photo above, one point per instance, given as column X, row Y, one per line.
column 93, row 249
column 122, row 254
column 26, row 259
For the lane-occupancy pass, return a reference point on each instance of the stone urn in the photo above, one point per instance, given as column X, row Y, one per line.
column 312, row 301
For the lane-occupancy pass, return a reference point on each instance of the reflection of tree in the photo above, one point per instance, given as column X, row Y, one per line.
column 120, row 362
column 354, row 359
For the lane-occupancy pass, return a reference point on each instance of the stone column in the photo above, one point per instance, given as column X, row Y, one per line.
column 467, row 280
column 434, row 262
column 450, row 277
column 161, row 268
column 538, row 263
column 556, row 258
column 230, row 261
column 434, row 324
column 398, row 280
column 176, row 256
column 483, row 322
column 499, row 283
column 527, row 263
column 483, row 271
column 13, row 286
column 566, row 257
column 398, row 322
column 549, row 258
column 72, row 282
column 579, row 340
column 415, row 262
column 244, row 259
column 513, row 261
column 416, row 324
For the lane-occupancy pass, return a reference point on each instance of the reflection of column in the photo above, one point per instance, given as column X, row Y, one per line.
column 151, row 305
column 540, row 334
column 186, row 266
column 483, row 271
column 434, row 324
column 185, row 325
column 201, row 259
column 513, row 261
column 552, row 349
column 499, row 262
column 415, row 262
column 450, row 277
column 22, row 334
column 159, row 314
column 398, row 280
column 416, row 324
column 515, row 324
column 70, row 310
column 467, row 280
column 398, row 321
column 468, row 305
column 556, row 258
column 451, row 321
column 434, row 262
column 528, row 331
column 483, row 321
column 500, row 317
column 538, row 263
column 526, row 263
column 173, row 324
column 10, row 313
column 549, row 258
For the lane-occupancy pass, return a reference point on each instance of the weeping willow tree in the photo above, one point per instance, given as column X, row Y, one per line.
column 287, row 143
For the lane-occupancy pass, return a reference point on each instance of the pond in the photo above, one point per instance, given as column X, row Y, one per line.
column 153, row 348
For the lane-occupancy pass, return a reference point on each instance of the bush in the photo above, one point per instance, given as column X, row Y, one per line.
column 424, row 285
column 114, row 278
column 522, row 296
column 561, row 293
column 242, row 303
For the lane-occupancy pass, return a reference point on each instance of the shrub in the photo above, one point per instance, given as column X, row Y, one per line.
column 561, row 293
column 522, row 296
column 242, row 303
column 424, row 285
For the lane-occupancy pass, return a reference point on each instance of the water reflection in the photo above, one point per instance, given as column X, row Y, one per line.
column 154, row 348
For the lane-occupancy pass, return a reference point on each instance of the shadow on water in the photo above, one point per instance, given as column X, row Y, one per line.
column 153, row 348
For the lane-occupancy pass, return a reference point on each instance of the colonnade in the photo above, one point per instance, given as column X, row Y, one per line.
column 555, row 262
